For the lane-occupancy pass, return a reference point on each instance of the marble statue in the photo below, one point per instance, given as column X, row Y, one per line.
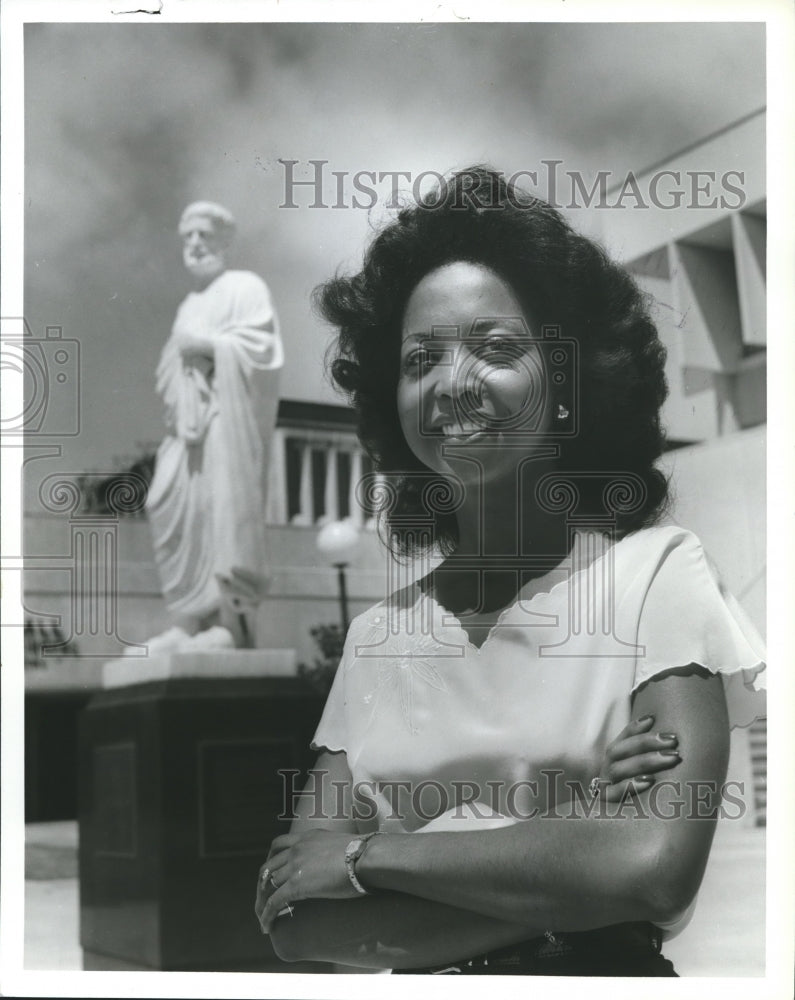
column 218, row 378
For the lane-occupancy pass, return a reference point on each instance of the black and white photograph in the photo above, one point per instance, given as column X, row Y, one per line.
column 392, row 541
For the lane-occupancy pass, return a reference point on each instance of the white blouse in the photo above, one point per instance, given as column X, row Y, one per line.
column 441, row 734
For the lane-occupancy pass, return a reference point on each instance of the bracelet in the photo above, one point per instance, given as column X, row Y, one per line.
column 353, row 852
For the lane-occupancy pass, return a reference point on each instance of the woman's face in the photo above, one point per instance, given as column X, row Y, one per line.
column 472, row 393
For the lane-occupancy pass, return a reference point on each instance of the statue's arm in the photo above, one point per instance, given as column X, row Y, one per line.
column 252, row 324
column 196, row 344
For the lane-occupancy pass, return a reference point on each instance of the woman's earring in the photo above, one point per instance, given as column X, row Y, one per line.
column 563, row 413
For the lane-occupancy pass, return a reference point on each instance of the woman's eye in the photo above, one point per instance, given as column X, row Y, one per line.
column 420, row 358
column 499, row 350
column 414, row 359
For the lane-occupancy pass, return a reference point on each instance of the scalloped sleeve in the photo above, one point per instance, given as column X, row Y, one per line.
column 688, row 617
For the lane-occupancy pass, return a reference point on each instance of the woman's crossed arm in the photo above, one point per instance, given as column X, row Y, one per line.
column 481, row 889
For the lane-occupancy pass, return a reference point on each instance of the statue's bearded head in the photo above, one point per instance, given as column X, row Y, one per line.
column 207, row 230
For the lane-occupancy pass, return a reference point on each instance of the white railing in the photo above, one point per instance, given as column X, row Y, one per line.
column 289, row 503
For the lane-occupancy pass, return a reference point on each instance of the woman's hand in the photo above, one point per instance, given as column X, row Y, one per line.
column 633, row 758
column 302, row 866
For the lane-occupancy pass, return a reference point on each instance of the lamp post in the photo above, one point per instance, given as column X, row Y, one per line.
column 338, row 540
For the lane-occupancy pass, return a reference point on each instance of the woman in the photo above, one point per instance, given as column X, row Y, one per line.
column 508, row 382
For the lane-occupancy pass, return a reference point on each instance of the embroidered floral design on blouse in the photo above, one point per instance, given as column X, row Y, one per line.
column 403, row 660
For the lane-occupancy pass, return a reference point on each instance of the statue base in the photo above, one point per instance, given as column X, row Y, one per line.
column 180, row 794
column 216, row 663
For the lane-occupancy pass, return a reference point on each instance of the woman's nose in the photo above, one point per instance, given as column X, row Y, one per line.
column 442, row 379
column 444, row 371
column 454, row 377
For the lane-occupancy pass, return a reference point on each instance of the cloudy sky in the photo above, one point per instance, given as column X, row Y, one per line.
column 125, row 124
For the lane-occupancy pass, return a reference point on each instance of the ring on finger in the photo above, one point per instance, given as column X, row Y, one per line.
column 595, row 786
column 265, row 877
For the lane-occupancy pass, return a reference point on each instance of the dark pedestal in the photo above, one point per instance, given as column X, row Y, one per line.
column 179, row 798
column 51, row 720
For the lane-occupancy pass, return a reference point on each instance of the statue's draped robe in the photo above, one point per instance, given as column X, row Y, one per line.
column 206, row 502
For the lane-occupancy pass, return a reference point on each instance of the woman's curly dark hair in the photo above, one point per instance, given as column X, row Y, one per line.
column 562, row 279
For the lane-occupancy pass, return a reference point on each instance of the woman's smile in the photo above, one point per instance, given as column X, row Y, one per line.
column 457, row 433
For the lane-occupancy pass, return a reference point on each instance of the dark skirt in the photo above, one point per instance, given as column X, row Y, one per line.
column 631, row 949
